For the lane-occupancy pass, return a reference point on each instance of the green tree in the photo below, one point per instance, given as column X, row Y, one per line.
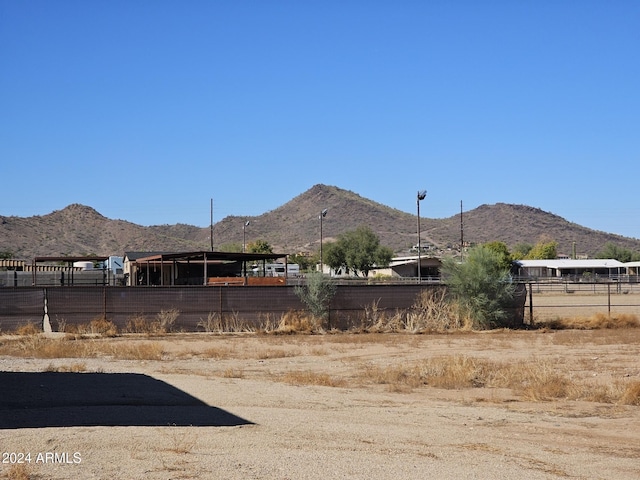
column 259, row 246
column 481, row 286
column 304, row 261
column 231, row 247
column 6, row 255
column 521, row 250
column 611, row 250
column 502, row 250
column 543, row 250
column 357, row 251
column 316, row 294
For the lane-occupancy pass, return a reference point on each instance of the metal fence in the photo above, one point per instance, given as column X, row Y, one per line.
column 253, row 306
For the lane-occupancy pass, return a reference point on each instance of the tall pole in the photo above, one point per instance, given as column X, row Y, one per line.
column 421, row 196
column 323, row 214
column 211, row 223
column 461, row 233
column 244, row 235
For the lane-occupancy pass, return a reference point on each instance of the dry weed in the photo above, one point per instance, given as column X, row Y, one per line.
column 312, row 378
column 181, row 441
column 73, row 368
column 290, row 323
column 431, row 312
column 28, row 329
column 213, row 323
column 18, row 471
column 137, row 351
column 631, row 394
column 166, row 319
column 233, row 373
column 594, row 322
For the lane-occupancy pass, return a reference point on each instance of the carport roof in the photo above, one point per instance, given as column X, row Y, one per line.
column 201, row 255
column 70, row 259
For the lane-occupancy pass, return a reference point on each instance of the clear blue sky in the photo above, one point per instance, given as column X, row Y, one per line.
column 147, row 109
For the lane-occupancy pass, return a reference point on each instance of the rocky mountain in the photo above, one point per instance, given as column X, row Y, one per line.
column 295, row 227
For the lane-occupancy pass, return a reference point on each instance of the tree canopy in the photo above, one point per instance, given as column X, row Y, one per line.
column 481, row 286
column 357, row 251
column 611, row 250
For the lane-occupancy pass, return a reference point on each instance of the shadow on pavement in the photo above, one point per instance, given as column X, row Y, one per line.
column 60, row 399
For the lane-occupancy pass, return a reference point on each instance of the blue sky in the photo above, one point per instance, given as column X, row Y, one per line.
column 145, row 110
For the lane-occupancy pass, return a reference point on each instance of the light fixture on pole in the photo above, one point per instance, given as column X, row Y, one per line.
column 421, row 196
column 323, row 214
column 244, row 235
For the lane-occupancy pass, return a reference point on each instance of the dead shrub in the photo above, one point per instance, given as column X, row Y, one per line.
column 73, row 368
column 139, row 323
column 18, row 471
column 397, row 378
column 595, row 322
column 212, row 324
column 431, row 312
column 456, row 371
column 167, row 319
column 312, row 378
column 539, row 381
column 101, row 326
column 631, row 394
column 27, row 329
column 137, row 351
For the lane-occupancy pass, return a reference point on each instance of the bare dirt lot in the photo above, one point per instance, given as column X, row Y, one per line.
column 501, row 404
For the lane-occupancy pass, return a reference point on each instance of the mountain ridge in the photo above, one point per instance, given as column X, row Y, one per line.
column 295, row 227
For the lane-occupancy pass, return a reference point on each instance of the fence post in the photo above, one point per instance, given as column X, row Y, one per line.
column 530, row 304
column 609, row 298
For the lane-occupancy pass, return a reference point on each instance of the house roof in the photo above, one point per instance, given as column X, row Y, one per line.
column 570, row 263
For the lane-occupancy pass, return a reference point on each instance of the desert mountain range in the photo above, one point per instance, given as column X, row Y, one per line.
column 294, row 227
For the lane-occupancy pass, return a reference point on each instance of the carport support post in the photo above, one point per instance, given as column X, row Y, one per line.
column 205, row 269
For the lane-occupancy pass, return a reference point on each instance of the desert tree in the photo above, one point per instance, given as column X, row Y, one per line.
column 611, row 250
column 357, row 251
column 316, row 293
column 543, row 250
column 481, row 286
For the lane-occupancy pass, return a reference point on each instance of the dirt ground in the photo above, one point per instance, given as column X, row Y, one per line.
column 316, row 407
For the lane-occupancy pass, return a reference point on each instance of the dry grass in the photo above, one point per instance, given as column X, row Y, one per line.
column 430, row 313
column 73, row 368
column 233, row 373
column 290, row 323
column 307, row 377
column 28, row 329
column 42, row 347
column 161, row 324
column 535, row 380
column 598, row 321
column 18, row 471
column 180, row 441
column 97, row 326
column 631, row 394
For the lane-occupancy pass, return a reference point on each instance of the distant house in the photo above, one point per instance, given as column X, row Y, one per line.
column 569, row 268
column 408, row 267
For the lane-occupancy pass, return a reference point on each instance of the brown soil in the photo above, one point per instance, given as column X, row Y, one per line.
column 315, row 407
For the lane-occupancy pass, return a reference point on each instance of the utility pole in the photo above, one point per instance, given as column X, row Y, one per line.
column 211, row 223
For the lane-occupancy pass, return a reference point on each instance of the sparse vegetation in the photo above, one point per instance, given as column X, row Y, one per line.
column 481, row 287
column 594, row 322
column 316, row 294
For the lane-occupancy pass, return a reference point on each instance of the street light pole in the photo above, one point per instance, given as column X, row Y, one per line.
column 244, row 245
column 323, row 214
column 244, row 235
column 421, row 196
